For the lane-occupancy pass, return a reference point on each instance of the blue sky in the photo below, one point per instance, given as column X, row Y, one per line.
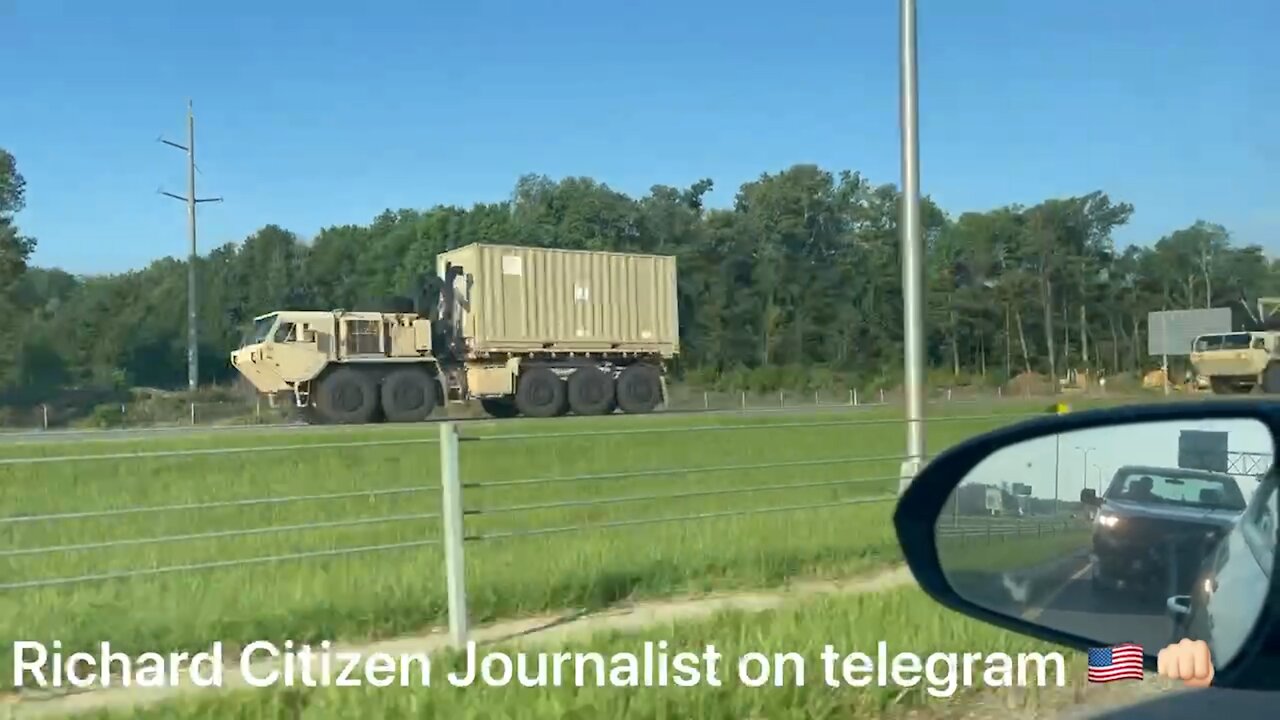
column 319, row 113
column 1093, row 456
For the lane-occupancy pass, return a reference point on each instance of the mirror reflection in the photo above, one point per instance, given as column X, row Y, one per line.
column 1145, row 533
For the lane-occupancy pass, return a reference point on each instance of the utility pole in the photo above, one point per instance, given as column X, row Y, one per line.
column 193, row 373
column 912, row 248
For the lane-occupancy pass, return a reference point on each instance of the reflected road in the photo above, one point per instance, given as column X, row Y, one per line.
column 1061, row 596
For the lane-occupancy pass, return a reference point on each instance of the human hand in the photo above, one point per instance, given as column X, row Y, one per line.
column 1188, row 661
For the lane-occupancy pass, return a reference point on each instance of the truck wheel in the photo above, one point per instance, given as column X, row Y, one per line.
column 499, row 407
column 408, row 395
column 1271, row 379
column 591, row 392
column 541, row 393
column 1220, row 386
column 639, row 389
column 347, row 396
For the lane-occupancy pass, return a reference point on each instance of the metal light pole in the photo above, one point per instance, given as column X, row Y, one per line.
column 193, row 374
column 1057, row 459
column 912, row 249
column 1084, row 470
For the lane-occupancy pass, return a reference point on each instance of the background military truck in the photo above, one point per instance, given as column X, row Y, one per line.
column 1237, row 362
column 526, row 331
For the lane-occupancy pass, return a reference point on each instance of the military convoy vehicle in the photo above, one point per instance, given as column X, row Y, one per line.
column 1237, row 362
column 524, row 330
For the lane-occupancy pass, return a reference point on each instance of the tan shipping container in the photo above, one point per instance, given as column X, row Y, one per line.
column 514, row 299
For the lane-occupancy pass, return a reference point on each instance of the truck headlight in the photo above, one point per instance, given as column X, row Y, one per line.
column 1107, row 521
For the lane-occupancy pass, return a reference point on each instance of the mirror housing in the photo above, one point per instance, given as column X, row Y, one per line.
column 1256, row 664
column 1089, row 498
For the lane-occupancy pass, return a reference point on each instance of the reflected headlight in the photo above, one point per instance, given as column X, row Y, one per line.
column 1208, row 586
column 1107, row 520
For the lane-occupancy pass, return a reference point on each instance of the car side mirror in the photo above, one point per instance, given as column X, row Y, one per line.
column 1121, row 576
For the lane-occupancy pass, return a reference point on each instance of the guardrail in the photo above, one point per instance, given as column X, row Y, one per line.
column 435, row 499
column 1004, row 529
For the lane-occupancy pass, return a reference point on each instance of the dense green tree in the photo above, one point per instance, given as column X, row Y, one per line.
column 797, row 283
column 15, row 249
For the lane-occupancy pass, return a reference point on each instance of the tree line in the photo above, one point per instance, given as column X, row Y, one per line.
column 797, row 284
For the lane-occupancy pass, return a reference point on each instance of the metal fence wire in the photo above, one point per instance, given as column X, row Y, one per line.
column 241, row 413
column 458, row 501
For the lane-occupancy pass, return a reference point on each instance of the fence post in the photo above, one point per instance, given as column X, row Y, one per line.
column 881, row 396
column 706, row 404
column 744, row 399
column 44, row 410
column 854, row 394
column 257, row 407
column 948, row 394
column 815, row 398
column 451, row 514
column 781, row 401
column 193, row 413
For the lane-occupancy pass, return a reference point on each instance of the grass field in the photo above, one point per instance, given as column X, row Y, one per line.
column 402, row 590
column 905, row 619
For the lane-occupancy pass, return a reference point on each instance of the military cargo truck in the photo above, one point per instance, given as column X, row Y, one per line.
column 525, row 331
column 1237, row 362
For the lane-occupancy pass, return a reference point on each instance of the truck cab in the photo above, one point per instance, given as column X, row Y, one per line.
column 1234, row 363
column 285, row 351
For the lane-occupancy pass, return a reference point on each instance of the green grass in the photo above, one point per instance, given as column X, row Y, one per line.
column 397, row 591
column 905, row 619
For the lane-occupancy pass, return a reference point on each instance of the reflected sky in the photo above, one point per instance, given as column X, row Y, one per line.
column 1089, row 458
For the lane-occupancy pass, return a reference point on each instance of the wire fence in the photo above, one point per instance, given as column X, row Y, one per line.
column 719, row 487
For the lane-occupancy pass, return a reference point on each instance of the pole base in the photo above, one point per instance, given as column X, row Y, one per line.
column 907, row 472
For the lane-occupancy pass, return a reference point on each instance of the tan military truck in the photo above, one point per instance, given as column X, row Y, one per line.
column 524, row 330
column 1236, row 363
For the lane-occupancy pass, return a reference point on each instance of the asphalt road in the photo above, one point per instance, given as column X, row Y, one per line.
column 43, row 437
column 1111, row 618
column 1061, row 596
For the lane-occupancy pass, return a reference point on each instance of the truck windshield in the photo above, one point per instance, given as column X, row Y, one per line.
column 1234, row 341
column 261, row 330
column 1172, row 488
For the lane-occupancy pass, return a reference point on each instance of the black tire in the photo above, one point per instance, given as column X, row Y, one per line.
column 1220, row 386
column 592, row 392
column 639, row 389
column 347, row 396
column 540, row 393
column 1271, row 379
column 501, row 408
column 408, row 395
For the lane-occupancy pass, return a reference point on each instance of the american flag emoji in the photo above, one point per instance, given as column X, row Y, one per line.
column 1118, row 662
